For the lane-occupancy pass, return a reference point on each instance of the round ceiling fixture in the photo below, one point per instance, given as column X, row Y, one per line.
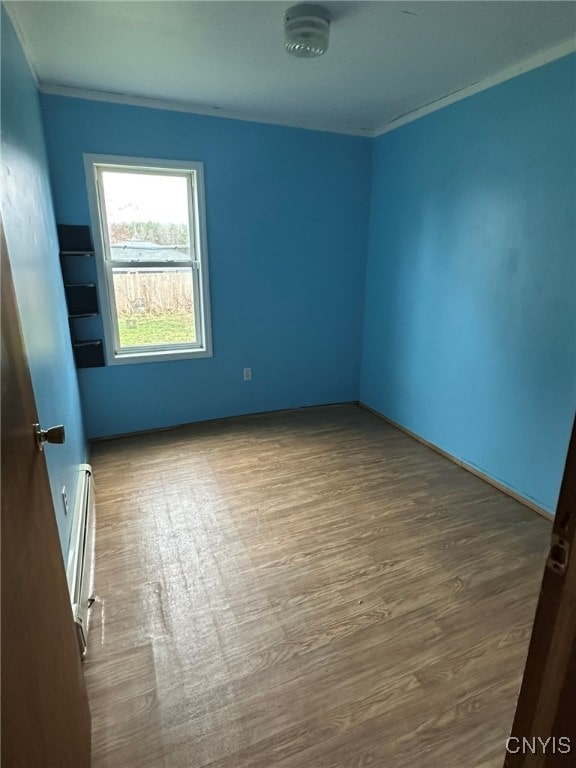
column 306, row 29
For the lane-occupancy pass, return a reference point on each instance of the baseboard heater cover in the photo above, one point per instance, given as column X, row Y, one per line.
column 80, row 566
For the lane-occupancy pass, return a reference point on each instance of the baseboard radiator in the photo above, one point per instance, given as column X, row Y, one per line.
column 80, row 566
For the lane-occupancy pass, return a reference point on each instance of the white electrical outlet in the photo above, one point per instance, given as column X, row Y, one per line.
column 65, row 499
column 247, row 374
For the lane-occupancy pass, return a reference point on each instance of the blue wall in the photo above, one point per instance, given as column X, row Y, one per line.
column 287, row 216
column 30, row 231
column 470, row 314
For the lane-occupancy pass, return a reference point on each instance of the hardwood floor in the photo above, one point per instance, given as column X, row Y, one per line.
column 307, row 589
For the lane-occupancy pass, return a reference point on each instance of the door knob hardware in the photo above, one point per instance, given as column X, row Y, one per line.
column 55, row 435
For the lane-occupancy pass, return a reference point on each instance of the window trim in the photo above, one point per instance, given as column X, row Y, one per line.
column 201, row 284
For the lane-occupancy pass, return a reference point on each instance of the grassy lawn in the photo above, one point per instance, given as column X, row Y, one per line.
column 156, row 329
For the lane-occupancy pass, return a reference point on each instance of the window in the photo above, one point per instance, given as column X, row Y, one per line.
column 149, row 231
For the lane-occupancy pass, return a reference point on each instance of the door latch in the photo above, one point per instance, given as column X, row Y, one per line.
column 559, row 554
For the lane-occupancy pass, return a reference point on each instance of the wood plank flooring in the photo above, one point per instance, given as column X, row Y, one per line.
column 307, row 589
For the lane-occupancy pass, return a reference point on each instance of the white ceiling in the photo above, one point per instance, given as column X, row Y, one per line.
column 385, row 59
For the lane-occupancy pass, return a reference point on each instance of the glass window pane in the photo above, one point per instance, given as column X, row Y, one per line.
column 147, row 216
column 154, row 306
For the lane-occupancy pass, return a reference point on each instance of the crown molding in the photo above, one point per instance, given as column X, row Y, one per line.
column 526, row 65
column 26, row 48
column 183, row 106
column 533, row 62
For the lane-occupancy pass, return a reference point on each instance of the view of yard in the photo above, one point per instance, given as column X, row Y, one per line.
column 156, row 329
column 150, row 254
column 154, row 306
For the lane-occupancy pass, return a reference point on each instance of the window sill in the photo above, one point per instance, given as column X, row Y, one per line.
column 130, row 358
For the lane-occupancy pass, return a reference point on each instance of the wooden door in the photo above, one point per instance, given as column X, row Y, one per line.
column 45, row 714
column 544, row 730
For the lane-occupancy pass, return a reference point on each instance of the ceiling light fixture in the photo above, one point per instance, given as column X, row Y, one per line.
column 306, row 29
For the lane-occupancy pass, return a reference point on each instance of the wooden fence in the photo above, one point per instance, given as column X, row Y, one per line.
column 153, row 293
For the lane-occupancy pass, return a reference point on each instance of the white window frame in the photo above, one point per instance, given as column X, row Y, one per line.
column 198, row 260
